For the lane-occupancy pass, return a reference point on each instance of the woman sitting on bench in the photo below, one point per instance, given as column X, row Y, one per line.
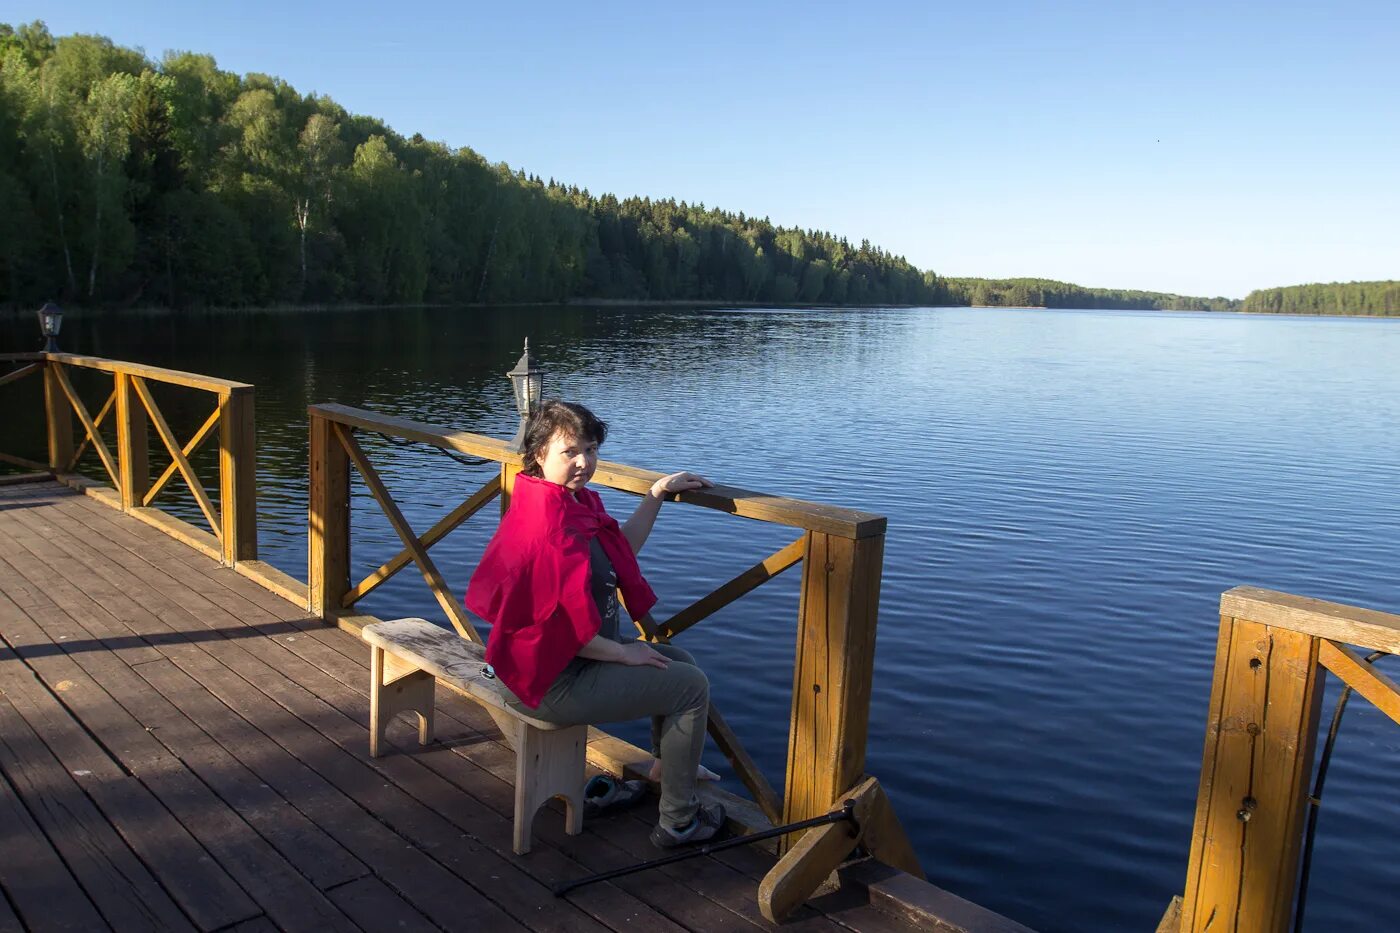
column 548, row 585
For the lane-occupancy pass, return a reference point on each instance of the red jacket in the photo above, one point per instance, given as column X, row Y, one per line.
column 534, row 583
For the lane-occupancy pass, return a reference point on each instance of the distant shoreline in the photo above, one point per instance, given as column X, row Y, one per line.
column 582, row 303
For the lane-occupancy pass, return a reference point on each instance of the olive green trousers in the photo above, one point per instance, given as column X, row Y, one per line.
column 677, row 699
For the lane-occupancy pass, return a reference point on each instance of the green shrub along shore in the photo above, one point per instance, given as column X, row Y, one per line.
column 126, row 182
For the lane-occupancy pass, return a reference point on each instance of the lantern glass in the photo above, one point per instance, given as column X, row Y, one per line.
column 527, row 382
column 50, row 319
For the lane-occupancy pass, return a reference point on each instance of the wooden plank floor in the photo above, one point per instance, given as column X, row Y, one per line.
column 181, row 748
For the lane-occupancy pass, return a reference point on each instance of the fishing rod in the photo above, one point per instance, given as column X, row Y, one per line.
column 847, row 813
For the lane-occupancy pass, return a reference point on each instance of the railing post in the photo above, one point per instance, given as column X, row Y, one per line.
column 509, row 471
column 831, row 677
column 133, row 468
column 238, row 503
column 1250, row 812
column 328, row 523
column 59, row 417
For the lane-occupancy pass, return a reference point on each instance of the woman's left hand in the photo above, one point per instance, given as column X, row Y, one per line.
column 678, row 482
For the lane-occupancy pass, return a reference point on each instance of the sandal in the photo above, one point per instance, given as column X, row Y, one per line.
column 604, row 792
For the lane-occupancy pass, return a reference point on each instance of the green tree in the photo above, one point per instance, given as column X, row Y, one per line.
column 104, row 133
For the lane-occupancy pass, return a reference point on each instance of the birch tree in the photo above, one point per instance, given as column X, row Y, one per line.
column 318, row 149
column 104, row 132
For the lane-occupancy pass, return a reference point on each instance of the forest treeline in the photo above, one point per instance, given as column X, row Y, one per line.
column 125, row 181
column 1379, row 298
column 1047, row 293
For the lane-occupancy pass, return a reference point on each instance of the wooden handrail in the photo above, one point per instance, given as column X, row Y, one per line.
column 1366, row 628
column 20, row 373
column 234, row 522
column 796, row 513
column 156, row 373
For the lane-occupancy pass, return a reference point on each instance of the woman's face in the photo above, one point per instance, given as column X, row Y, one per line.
column 569, row 461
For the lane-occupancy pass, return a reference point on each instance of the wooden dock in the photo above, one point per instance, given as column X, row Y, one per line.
column 184, row 729
column 182, row 748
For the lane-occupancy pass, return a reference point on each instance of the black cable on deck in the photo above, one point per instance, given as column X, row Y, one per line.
column 846, row 813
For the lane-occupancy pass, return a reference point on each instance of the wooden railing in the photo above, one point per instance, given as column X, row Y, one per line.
column 841, row 551
column 232, row 535
column 1261, row 735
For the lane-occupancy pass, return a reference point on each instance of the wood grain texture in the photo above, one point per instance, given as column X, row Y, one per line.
column 457, row 662
column 1370, row 629
column 238, row 455
column 122, row 831
column 248, row 831
column 921, row 904
column 16, row 479
column 328, row 522
column 832, row 673
column 1259, row 747
column 58, row 420
column 33, row 874
column 118, row 884
column 179, row 529
column 807, row 865
column 276, row 581
column 1171, row 917
column 133, row 459
column 172, row 376
column 1364, row 678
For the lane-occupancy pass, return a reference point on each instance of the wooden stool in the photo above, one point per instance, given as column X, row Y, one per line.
column 408, row 657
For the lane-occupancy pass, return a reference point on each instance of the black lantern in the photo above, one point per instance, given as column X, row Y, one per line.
column 528, row 382
column 50, row 321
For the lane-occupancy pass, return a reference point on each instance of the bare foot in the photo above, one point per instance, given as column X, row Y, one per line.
column 702, row 773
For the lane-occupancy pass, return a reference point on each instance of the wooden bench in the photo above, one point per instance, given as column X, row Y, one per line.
column 409, row 656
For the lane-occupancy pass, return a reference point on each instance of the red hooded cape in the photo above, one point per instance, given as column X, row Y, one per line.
column 534, row 583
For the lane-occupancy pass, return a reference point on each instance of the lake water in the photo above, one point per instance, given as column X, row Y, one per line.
column 1068, row 494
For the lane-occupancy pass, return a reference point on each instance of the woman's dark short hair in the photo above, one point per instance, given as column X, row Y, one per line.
column 556, row 417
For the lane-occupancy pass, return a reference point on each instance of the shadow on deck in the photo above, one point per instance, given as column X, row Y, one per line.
column 181, row 748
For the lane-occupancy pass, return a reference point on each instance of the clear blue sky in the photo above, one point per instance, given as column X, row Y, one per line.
column 1202, row 148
